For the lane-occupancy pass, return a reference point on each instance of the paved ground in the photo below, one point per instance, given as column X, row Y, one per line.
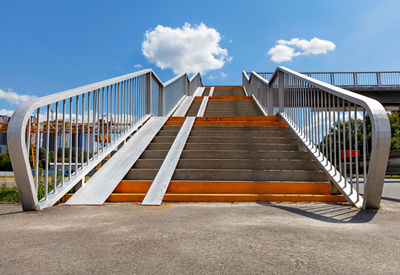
column 201, row 238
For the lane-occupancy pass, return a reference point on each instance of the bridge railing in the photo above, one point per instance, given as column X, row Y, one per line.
column 56, row 141
column 351, row 79
column 334, row 125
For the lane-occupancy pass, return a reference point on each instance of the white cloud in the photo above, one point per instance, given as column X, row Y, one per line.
column 282, row 53
column 188, row 49
column 4, row 112
column 138, row 66
column 285, row 50
column 15, row 98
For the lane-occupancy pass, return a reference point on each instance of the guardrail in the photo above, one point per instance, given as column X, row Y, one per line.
column 333, row 124
column 75, row 130
column 351, row 79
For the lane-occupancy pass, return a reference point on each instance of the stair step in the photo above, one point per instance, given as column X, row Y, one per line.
column 235, row 139
column 240, row 123
column 240, row 146
column 228, row 139
column 249, row 175
column 244, row 134
column 231, row 175
column 259, row 164
column 228, row 187
column 249, row 129
column 171, row 197
column 230, row 154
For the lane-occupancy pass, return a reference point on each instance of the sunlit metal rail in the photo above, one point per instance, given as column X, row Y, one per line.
column 82, row 127
column 334, row 125
column 351, row 79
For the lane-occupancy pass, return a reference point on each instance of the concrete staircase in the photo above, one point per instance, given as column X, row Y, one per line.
column 233, row 153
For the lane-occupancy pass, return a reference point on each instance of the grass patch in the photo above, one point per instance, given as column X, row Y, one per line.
column 9, row 194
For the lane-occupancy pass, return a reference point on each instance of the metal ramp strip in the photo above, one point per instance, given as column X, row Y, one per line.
column 160, row 183
column 211, row 91
column 199, row 91
column 184, row 107
column 99, row 187
column 202, row 108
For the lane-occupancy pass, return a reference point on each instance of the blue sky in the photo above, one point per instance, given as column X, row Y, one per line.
column 50, row 46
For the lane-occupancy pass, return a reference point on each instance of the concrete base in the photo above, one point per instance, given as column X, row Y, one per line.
column 201, row 238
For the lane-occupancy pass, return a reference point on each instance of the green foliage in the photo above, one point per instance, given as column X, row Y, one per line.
column 8, row 194
column 394, row 119
column 5, row 163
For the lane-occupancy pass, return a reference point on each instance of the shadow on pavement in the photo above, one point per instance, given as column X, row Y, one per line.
column 11, row 213
column 331, row 213
column 391, row 199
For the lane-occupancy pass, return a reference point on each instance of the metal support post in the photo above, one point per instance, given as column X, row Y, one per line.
column 148, row 94
column 270, row 101
column 281, row 91
column 160, row 101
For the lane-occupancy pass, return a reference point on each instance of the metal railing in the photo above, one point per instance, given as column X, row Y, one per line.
column 334, row 125
column 351, row 79
column 57, row 140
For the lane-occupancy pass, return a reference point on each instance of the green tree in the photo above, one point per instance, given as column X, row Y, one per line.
column 5, row 162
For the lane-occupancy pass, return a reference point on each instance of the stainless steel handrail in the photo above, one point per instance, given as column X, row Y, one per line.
column 332, row 124
column 352, row 79
column 87, row 124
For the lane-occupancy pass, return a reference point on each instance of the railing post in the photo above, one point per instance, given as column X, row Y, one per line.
column 160, row 100
column 332, row 79
column 378, row 79
column 355, row 80
column 148, row 93
column 270, row 100
column 187, row 85
column 281, row 90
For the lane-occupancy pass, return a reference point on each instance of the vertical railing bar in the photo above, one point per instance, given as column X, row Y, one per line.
column 46, row 186
column 365, row 147
column 83, row 132
column 308, row 110
column 326, row 127
column 98, row 121
column 55, row 148
column 350, row 148
column 37, row 148
column 76, row 133
column 314, row 119
column 132, row 93
column 329, row 129
column 28, row 137
column 70, row 141
column 302, row 108
column 334, row 132
column 63, row 146
column 102, row 120
column 356, row 148
column 339, row 134
column 88, row 130
column 318, row 123
column 118, row 120
column 123, row 107
column 108, row 117
column 94, row 124
column 344, row 142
